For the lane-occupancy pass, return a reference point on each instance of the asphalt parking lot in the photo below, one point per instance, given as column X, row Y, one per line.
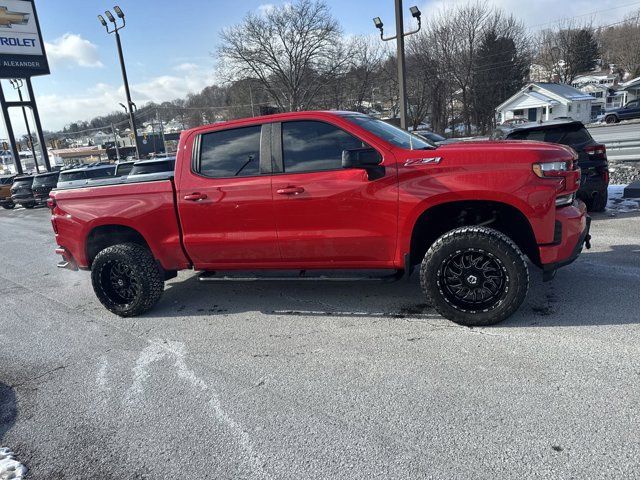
column 303, row 381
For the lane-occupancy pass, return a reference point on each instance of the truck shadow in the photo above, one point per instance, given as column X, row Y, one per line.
column 600, row 288
column 8, row 409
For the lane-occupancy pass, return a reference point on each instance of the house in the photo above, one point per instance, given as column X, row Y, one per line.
column 595, row 78
column 604, row 97
column 629, row 90
column 539, row 102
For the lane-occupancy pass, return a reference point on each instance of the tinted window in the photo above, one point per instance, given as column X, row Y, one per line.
column 574, row 135
column 394, row 135
column 6, row 180
column 152, row 167
column 312, row 146
column 231, row 153
column 45, row 180
column 633, row 104
column 70, row 176
column 100, row 172
column 23, row 182
column 123, row 169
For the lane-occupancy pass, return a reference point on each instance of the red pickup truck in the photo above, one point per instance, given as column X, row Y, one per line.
column 311, row 192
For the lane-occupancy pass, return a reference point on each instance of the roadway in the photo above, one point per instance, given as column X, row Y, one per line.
column 611, row 134
column 299, row 381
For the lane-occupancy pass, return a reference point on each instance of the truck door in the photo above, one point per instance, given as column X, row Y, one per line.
column 328, row 216
column 224, row 200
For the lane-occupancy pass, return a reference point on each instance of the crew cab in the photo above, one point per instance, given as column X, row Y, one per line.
column 322, row 195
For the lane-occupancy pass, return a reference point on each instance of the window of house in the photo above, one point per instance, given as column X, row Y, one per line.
column 309, row 146
column 231, row 153
column 518, row 113
column 569, row 108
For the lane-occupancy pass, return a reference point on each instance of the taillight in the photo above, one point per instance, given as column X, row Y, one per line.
column 51, row 203
column 596, row 151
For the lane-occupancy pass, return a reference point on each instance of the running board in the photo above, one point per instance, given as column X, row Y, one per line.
column 301, row 276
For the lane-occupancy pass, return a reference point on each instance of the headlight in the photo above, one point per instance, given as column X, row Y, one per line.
column 551, row 169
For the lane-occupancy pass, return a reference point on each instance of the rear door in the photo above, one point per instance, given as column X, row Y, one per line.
column 224, row 200
column 328, row 216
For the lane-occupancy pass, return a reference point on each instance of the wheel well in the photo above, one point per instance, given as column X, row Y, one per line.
column 440, row 219
column 108, row 235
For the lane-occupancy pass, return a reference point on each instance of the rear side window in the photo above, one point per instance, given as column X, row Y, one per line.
column 230, row 153
column 101, row 172
column 310, row 146
column 71, row 176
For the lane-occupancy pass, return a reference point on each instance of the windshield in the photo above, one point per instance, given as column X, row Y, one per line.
column 45, row 180
column 394, row 135
column 23, row 182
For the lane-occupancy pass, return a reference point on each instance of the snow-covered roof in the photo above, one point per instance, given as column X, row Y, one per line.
column 634, row 82
column 566, row 91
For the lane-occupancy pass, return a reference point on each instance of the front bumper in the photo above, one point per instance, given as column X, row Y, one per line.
column 573, row 226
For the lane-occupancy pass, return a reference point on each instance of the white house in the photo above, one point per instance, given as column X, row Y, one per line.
column 539, row 102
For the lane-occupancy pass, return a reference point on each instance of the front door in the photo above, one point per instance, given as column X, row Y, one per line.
column 532, row 114
column 225, row 203
column 328, row 216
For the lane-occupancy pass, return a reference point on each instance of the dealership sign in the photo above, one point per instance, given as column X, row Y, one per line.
column 22, row 51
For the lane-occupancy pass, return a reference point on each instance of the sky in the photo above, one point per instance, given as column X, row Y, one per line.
column 168, row 45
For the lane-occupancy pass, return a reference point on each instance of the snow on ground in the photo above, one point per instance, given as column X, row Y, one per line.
column 10, row 468
column 618, row 204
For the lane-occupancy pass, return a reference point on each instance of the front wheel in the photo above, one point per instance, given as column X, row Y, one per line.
column 8, row 205
column 127, row 279
column 29, row 205
column 475, row 276
column 611, row 119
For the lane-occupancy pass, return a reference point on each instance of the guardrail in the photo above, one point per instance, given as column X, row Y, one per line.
column 623, row 150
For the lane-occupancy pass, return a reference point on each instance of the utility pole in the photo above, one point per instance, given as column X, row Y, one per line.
column 399, row 38
column 116, row 30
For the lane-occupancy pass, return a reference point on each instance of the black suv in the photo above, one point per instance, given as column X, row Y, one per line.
column 21, row 192
column 43, row 184
column 592, row 156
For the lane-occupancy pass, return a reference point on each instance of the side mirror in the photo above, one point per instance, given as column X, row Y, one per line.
column 361, row 158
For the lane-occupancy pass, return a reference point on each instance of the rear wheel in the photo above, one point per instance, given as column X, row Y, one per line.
column 599, row 202
column 29, row 205
column 475, row 276
column 611, row 119
column 127, row 279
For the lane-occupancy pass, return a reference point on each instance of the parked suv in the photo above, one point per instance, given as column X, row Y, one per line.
column 79, row 176
column 592, row 156
column 21, row 192
column 5, row 191
column 629, row 111
column 42, row 185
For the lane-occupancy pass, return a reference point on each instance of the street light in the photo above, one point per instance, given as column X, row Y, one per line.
column 116, row 29
column 18, row 84
column 399, row 37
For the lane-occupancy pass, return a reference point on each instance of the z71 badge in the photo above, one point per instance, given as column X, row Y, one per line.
column 421, row 161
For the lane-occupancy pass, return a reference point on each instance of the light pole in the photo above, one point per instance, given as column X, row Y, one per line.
column 116, row 29
column 399, row 37
column 18, row 84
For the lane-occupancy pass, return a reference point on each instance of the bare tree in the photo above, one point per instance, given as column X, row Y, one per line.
column 568, row 51
column 291, row 50
column 621, row 44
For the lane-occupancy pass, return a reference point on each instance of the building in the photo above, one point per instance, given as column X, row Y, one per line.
column 539, row 102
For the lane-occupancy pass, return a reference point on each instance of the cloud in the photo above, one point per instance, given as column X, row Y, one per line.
column 102, row 98
column 186, row 67
column 71, row 50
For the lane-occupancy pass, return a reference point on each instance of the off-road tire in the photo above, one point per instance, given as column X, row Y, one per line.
column 9, row 206
column 143, row 270
column 599, row 202
column 481, row 241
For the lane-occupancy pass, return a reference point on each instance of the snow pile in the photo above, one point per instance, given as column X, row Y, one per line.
column 622, row 205
column 10, row 468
